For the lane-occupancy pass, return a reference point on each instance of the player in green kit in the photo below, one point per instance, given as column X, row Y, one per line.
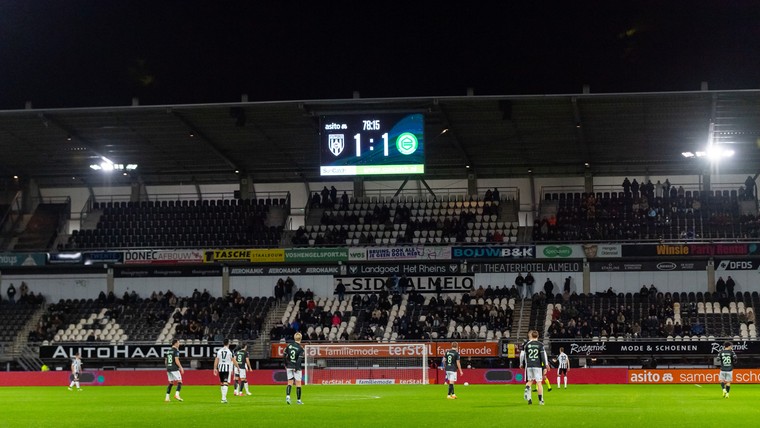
column 241, row 376
column 293, row 357
column 727, row 359
column 533, row 358
column 452, row 365
column 174, row 370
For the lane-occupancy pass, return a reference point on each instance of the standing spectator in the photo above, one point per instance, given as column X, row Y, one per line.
column 333, row 196
column 720, row 286
column 635, row 187
column 727, row 359
column 344, row 201
column 325, row 197
column 730, row 284
column 279, row 290
column 12, row 293
column 749, row 187
column 520, row 282
column 549, row 288
column 566, row 287
column 626, row 186
column 529, row 281
column 403, row 283
column 24, row 289
column 340, row 289
column 289, row 284
column 316, row 201
column 495, row 195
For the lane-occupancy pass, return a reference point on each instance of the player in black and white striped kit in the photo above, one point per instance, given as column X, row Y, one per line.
column 76, row 370
column 563, row 365
column 223, row 365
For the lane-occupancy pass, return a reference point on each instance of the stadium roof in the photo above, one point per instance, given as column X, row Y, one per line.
column 496, row 136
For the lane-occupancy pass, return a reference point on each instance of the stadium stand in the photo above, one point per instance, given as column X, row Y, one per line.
column 185, row 223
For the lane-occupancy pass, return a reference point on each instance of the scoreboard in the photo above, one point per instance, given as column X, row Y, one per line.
column 372, row 144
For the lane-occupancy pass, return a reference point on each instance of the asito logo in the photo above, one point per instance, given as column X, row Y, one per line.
column 558, row 251
column 666, row 266
column 650, row 377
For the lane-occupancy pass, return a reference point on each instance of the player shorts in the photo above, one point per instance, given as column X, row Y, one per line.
column 75, row 377
column 562, row 372
column 174, row 376
column 240, row 373
column 225, row 377
column 726, row 376
column 451, row 376
column 293, row 374
column 534, row 373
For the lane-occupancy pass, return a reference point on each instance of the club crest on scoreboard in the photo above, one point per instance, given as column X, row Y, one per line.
column 336, row 142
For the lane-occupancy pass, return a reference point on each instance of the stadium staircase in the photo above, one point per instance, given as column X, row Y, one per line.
column 43, row 227
column 261, row 347
column 521, row 323
column 26, row 356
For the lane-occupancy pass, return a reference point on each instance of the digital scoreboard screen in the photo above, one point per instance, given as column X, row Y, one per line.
column 372, row 144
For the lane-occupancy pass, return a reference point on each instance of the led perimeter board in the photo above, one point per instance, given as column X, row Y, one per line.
column 372, row 144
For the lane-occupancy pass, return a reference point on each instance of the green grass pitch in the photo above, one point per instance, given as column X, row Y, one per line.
column 648, row 406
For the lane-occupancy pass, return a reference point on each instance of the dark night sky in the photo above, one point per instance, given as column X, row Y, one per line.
column 73, row 53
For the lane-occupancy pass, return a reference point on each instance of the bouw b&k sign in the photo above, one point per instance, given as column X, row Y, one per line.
column 494, row 252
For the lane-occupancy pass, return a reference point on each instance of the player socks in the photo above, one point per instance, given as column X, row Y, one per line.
column 168, row 389
column 179, row 387
column 224, row 392
column 540, row 398
column 288, row 389
column 451, row 388
column 558, row 384
column 298, row 393
column 245, row 383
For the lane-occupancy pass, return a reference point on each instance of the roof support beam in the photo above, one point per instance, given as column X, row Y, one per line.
column 580, row 136
column 205, row 139
column 448, row 130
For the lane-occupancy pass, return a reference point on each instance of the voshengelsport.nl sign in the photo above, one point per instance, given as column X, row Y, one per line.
column 649, row 348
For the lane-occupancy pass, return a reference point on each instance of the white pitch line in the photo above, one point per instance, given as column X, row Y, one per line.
column 697, row 385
